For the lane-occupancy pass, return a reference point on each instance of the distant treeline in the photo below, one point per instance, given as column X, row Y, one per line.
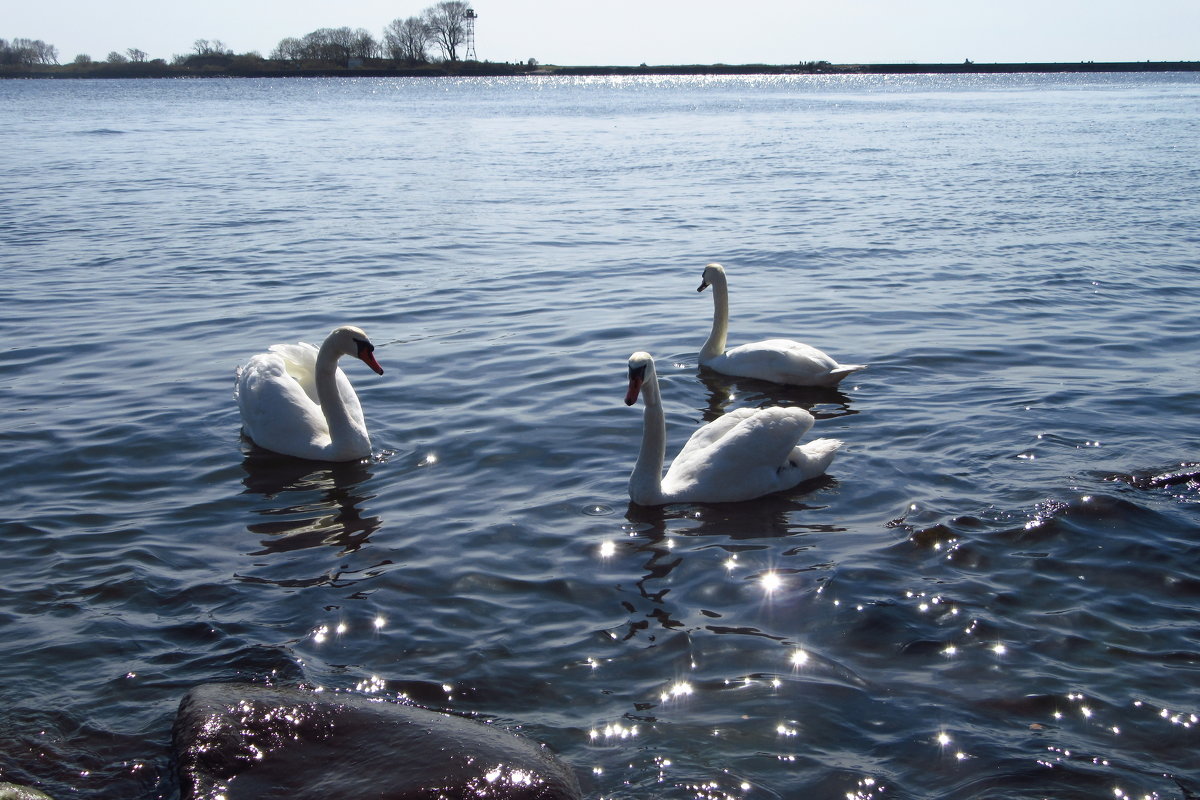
column 404, row 50
column 254, row 66
column 27, row 52
column 824, row 67
column 446, row 27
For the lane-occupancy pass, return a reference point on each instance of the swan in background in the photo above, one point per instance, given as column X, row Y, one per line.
column 295, row 400
column 775, row 360
column 744, row 454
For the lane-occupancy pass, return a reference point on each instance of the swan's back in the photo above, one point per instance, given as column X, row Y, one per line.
column 746, row 454
column 277, row 412
column 782, row 361
column 300, row 362
column 769, row 432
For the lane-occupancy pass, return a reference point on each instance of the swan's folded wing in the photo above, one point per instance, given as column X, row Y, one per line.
column 300, row 361
column 781, row 360
column 742, row 439
column 704, row 436
column 275, row 408
column 748, row 461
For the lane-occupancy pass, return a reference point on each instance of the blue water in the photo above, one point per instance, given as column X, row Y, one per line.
column 987, row 597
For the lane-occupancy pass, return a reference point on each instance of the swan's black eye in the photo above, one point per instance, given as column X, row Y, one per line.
column 637, row 372
column 364, row 347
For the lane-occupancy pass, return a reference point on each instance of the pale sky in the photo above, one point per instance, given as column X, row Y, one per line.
column 625, row 32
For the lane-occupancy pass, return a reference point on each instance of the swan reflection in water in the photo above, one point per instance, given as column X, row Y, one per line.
column 312, row 504
column 723, row 391
column 775, row 516
column 671, row 536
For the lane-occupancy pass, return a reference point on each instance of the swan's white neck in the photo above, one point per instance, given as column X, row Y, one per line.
column 715, row 345
column 645, row 483
column 344, row 432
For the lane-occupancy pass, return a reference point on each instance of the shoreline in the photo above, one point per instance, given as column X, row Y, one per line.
column 823, row 68
column 244, row 67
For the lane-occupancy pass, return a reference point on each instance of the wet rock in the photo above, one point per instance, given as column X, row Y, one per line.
column 12, row 791
column 243, row 742
column 1187, row 473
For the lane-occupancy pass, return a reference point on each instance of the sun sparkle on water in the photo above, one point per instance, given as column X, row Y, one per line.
column 677, row 689
column 771, row 582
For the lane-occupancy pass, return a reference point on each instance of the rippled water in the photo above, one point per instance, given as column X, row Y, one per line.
column 989, row 596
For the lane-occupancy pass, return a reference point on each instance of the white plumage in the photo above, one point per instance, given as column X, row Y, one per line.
column 745, row 454
column 296, row 401
column 776, row 360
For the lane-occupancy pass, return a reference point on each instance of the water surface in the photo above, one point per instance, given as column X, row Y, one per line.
column 981, row 599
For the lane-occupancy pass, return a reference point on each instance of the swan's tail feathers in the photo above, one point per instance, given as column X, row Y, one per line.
column 813, row 458
column 836, row 375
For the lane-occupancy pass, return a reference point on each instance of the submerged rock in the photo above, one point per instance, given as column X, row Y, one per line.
column 1187, row 473
column 247, row 742
column 12, row 791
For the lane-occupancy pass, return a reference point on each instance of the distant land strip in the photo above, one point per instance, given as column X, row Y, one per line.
column 242, row 67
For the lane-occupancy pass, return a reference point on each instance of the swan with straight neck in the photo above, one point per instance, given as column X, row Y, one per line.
column 747, row 453
column 776, row 360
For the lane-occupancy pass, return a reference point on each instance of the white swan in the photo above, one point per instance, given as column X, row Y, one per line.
column 744, row 454
column 775, row 360
column 295, row 400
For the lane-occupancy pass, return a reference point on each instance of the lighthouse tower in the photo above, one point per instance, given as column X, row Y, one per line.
column 469, row 23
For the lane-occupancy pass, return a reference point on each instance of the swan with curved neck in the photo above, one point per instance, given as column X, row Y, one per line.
column 296, row 401
column 776, row 360
column 744, row 454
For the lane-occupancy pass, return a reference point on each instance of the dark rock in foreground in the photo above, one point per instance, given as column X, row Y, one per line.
column 247, row 742
column 12, row 791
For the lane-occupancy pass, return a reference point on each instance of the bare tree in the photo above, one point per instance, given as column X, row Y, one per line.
column 27, row 52
column 135, row 55
column 288, row 49
column 46, row 53
column 216, row 47
column 447, row 22
column 363, row 44
column 336, row 45
column 337, row 42
column 116, row 58
column 406, row 40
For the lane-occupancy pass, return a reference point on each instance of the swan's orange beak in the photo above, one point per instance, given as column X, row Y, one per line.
column 368, row 358
column 366, row 353
column 636, row 376
column 703, row 285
